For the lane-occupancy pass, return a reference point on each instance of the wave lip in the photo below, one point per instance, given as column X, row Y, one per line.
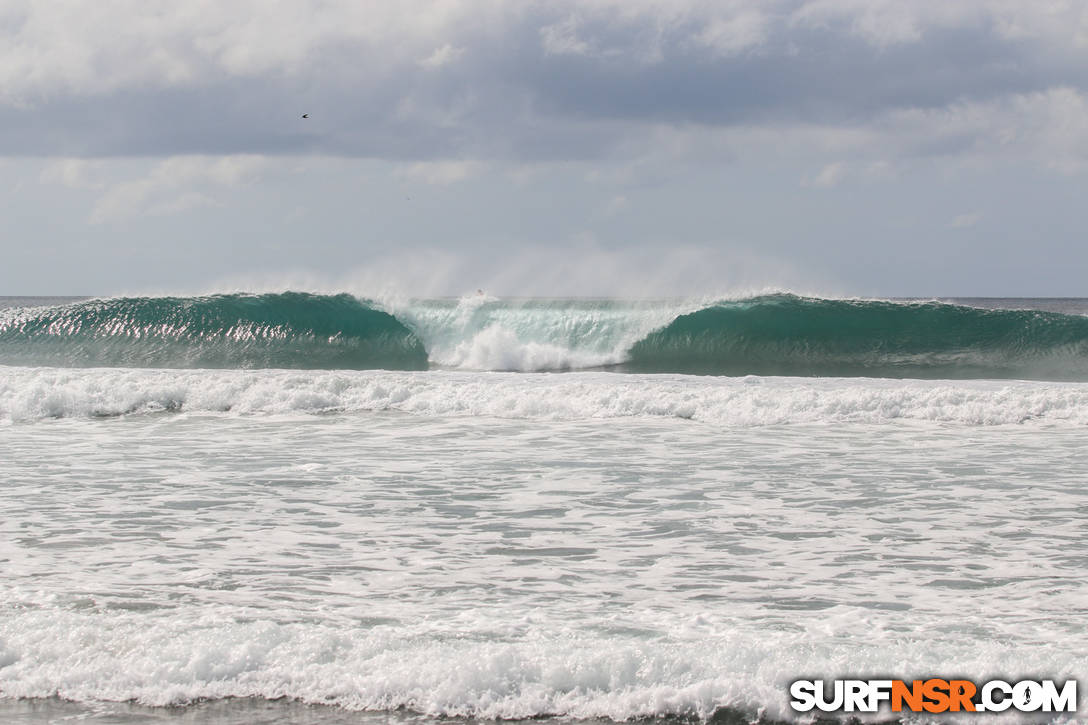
column 785, row 334
column 284, row 330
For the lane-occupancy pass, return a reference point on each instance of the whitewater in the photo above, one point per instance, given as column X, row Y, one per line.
column 335, row 509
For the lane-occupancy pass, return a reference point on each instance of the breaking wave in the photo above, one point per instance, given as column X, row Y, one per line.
column 286, row 330
column 779, row 334
column 790, row 335
column 28, row 394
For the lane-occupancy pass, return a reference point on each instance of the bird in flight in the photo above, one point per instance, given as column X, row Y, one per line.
column 305, row 115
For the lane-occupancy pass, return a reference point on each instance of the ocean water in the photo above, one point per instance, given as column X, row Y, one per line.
column 325, row 509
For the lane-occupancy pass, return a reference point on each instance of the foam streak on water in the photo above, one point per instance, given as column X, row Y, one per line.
column 490, row 545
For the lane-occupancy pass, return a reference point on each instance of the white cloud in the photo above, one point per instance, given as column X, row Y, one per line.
column 829, row 176
column 440, row 173
column 368, row 68
column 72, row 173
column 442, row 56
column 733, row 35
column 616, row 205
column 562, row 38
column 1048, row 128
column 878, row 21
column 886, row 23
column 965, row 221
column 175, row 185
column 88, row 47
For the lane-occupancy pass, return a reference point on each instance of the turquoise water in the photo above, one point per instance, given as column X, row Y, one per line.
column 779, row 334
column 249, row 544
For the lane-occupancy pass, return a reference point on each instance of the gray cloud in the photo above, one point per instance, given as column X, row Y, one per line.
column 549, row 147
column 491, row 80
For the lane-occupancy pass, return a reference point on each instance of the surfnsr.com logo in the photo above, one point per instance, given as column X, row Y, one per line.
column 933, row 695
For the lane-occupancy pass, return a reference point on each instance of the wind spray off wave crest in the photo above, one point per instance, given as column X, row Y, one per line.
column 480, row 332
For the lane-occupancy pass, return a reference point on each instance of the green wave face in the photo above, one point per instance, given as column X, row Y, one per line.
column 790, row 335
column 771, row 335
column 286, row 330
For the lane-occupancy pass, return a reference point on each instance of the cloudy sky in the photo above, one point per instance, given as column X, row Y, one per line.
column 872, row 147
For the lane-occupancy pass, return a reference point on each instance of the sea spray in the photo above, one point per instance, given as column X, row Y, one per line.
column 480, row 332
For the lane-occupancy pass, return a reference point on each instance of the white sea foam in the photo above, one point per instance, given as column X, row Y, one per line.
column 515, row 545
column 483, row 664
column 477, row 332
column 35, row 393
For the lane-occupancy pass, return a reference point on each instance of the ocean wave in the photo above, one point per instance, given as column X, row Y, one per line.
column 775, row 334
column 28, row 394
column 285, row 330
column 479, row 332
column 789, row 335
